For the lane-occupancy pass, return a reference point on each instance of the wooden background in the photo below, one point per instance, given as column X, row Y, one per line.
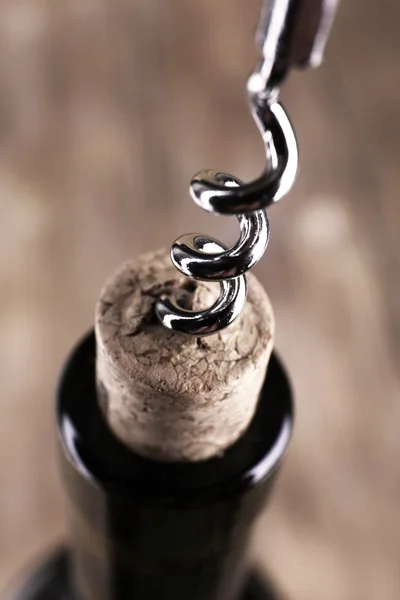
column 107, row 108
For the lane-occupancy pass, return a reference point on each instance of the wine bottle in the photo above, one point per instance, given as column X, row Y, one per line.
column 145, row 530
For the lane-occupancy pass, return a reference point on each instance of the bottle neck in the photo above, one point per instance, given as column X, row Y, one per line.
column 147, row 530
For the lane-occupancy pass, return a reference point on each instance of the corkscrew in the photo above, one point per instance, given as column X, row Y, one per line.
column 291, row 33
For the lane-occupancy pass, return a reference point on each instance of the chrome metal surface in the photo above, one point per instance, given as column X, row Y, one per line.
column 218, row 192
column 198, row 257
column 291, row 33
column 227, row 307
column 201, row 257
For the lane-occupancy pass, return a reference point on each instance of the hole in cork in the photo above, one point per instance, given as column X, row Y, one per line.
column 184, row 296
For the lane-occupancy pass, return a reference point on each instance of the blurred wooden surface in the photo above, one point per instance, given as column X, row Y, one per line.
column 106, row 111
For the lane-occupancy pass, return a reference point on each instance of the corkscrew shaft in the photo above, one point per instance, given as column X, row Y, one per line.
column 291, row 33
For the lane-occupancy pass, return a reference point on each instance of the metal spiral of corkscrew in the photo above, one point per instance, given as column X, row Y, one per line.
column 290, row 33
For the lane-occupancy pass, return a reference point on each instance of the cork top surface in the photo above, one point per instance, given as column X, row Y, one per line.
column 168, row 362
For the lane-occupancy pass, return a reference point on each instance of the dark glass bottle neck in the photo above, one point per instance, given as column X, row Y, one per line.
column 148, row 530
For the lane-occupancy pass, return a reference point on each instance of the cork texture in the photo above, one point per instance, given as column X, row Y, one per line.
column 168, row 396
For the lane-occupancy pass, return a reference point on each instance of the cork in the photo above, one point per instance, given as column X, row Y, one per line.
column 172, row 397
